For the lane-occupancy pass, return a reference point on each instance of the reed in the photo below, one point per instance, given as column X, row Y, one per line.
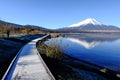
column 52, row 49
column 56, row 35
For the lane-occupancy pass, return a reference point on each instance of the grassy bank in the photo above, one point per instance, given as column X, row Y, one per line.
column 53, row 57
column 65, row 67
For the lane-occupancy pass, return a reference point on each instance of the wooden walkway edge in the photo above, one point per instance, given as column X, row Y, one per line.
column 28, row 64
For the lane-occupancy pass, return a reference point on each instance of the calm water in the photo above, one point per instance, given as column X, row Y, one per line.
column 100, row 49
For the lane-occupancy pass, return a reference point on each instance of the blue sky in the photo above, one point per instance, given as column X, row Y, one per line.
column 59, row 13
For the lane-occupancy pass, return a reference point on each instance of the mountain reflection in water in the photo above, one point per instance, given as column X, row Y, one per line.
column 99, row 49
column 84, row 43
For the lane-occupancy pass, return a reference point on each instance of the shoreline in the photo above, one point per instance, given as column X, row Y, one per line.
column 77, row 69
column 112, row 75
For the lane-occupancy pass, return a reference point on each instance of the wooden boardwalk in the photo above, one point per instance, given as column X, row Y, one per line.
column 29, row 65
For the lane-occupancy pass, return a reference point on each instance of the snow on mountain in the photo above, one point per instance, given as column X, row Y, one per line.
column 90, row 25
column 85, row 22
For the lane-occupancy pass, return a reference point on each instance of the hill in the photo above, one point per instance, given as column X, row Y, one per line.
column 15, row 29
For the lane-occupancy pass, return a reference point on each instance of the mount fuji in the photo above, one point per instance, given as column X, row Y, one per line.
column 90, row 25
column 86, row 22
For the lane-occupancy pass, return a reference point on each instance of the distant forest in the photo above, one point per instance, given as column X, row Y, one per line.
column 7, row 29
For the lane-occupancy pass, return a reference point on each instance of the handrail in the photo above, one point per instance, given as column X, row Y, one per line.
column 8, row 74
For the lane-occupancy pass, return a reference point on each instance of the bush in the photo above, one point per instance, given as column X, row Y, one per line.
column 56, row 35
column 52, row 49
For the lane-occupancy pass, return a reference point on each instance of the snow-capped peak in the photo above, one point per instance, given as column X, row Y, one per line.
column 85, row 22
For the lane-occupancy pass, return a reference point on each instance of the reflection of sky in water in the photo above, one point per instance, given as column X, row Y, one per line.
column 100, row 51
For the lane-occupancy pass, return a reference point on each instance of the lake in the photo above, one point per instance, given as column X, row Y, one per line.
column 96, row 48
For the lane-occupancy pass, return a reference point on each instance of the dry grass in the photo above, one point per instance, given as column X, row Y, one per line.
column 52, row 49
column 56, row 35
